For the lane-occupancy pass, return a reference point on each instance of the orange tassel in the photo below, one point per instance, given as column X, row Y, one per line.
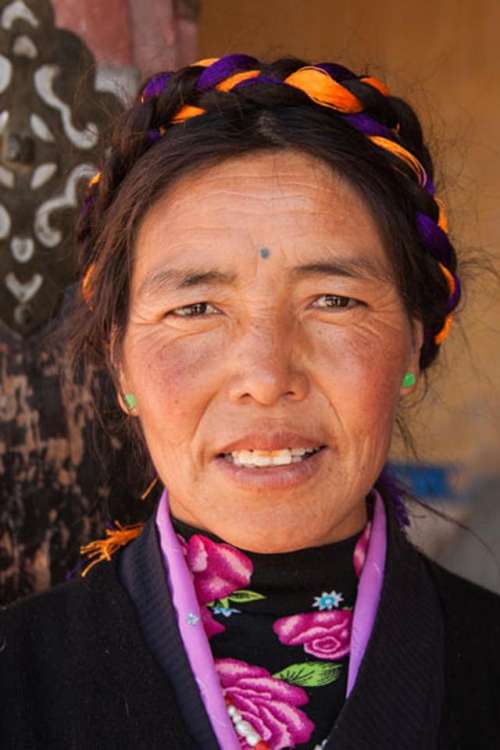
column 103, row 549
column 149, row 488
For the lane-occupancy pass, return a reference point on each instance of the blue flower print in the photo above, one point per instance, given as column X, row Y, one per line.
column 328, row 600
column 226, row 611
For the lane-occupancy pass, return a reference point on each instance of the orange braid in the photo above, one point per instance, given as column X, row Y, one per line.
column 450, row 280
column 322, row 89
column 445, row 330
column 403, row 154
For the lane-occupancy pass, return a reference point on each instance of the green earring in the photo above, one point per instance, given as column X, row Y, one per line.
column 130, row 400
column 409, row 380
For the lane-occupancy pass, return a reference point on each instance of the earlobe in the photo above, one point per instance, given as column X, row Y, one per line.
column 130, row 400
column 128, row 403
column 409, row 380
column 126, row 399
column 411, row 376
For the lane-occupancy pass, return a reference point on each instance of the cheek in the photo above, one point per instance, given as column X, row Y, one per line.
column 169, row 379
column 363, row 374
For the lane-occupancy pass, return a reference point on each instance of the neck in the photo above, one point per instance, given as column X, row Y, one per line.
column 276, row 537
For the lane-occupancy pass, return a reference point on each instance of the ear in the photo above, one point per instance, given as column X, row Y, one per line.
column 124, row 392
column 413, row 362
column 120, row 377
column 122, row 403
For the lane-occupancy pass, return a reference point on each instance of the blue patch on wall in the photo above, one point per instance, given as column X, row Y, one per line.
column 426, row 481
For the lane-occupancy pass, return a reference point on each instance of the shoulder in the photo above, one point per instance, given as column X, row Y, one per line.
column 64, row 619
column 471, row 624
column 76, row 592
column 471, row 616
column 72, row 661
column 465, row 600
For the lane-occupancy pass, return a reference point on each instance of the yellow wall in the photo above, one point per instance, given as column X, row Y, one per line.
column 444, row 57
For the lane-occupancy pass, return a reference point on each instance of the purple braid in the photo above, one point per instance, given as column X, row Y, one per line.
column 431, row 233
column 223, row 68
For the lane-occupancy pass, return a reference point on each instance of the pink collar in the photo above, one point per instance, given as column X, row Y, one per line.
column 196, row 643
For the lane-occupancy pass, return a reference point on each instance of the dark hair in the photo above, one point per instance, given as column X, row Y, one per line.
column 140, row 167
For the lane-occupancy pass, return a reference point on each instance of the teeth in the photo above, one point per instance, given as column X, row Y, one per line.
column 270, row 458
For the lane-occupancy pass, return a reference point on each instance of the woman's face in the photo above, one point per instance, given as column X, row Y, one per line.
column 262, row 303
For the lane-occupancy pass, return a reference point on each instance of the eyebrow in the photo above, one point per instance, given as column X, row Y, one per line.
column 184, row 278
column 171, row 279
column 353, row 268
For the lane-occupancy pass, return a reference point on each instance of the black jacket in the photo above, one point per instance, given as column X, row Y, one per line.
column 97, row 663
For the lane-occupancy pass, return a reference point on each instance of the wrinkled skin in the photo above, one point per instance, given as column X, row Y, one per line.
column 271, row 351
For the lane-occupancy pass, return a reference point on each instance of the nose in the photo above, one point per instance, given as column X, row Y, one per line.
column 266, row 366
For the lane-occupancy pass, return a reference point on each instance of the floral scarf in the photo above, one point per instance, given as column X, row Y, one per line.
column 279, row 627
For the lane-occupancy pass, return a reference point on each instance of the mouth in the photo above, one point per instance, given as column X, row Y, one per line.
column 262, row 460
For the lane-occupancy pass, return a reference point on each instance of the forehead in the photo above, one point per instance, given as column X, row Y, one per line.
column 284, row 200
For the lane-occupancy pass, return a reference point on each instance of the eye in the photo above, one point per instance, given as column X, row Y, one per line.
column 196, row 310
column 336, row 301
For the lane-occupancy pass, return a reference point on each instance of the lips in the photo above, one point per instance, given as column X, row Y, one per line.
column 271, row 478
column 267, row 440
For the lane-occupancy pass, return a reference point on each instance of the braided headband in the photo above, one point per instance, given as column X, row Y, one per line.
column 322, row 83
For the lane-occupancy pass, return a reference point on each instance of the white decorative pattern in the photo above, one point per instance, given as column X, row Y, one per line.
column 44, row 80
column 47, row 235
column 5, row 73
column 15, row 10
column 40, row 129
column 22, row 248
column 5, row 222
column 7, row 178
column 42, row 174
column 25, row 47
column 23, row 292
column 4, row 119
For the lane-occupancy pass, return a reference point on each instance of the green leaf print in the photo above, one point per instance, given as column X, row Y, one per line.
column 243, row 595
column 310, row 674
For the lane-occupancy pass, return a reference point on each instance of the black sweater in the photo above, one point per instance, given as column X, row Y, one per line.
column 97, row 663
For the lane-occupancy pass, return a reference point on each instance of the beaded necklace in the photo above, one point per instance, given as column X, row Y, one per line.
column 245, row 730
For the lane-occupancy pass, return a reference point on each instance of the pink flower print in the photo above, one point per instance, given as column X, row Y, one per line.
column 218, row 570
column 212, row 627
column 267, row 703
column 325, row 635
column 361, row 549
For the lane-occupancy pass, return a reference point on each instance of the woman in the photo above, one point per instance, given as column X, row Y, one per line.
column 267, row 275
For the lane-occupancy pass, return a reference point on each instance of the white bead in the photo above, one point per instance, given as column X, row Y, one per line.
column 244, row 728
column 231, row 710
column 236, row 716
column 252, row 739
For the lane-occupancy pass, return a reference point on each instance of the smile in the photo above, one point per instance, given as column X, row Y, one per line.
column 268, row 475
column 259, row 458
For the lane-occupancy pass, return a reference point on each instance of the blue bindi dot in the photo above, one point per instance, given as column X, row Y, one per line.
column 265, row 253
